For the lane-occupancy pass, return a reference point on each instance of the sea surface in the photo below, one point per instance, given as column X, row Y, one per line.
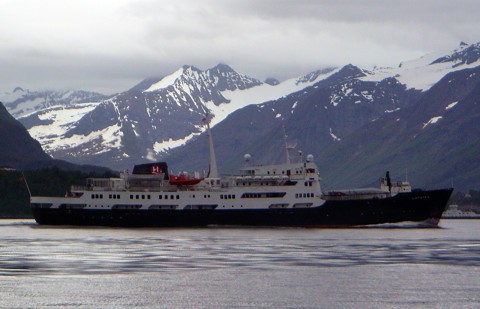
column 374, row 267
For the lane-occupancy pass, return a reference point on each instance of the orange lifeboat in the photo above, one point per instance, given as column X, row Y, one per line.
column 183, row 180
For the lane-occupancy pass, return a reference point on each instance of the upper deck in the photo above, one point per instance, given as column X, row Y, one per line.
column 299, row 170
column 252, row 176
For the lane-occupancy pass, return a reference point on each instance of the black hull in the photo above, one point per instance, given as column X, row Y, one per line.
column 419, row 206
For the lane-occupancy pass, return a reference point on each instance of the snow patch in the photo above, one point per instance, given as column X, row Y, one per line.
column 110, row 136
column 346, row 90
column 451, row 105
column 420, row 73
column 52, row 136
column 254, row 95
column 334, row 99
column 334, row 137
column 433, row 120
column 168, row 80
column 392, row 110
column 367, row 96
column 164, row 146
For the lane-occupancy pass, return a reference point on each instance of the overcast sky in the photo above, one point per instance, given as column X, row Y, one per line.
column 110, row 45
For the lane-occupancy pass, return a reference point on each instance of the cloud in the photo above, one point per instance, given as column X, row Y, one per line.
column 110, row 45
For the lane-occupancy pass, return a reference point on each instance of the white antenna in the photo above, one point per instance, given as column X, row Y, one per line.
column 213, row 172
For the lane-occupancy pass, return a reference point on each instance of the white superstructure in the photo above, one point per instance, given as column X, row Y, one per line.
column 289, row 185
column 275, row 186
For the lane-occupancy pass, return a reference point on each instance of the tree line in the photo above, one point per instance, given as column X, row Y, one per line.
column 14, row 195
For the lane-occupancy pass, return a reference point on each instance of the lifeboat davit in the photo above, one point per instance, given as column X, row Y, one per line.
column 183, row 180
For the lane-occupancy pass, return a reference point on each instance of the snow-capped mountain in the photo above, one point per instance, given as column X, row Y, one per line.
column 154, row 116
column 315, row 118
column 359, row 125
column 322, row 112
column 21, row 102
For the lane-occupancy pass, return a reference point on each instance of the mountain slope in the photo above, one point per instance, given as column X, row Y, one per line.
column 437, row 140
column 17, row 147
column 359, row 127
column 152, row 117
column 314, row 118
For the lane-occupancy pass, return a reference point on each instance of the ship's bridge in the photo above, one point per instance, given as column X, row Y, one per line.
column 293, row 170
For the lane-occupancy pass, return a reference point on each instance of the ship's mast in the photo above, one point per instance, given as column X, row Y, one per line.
column 287, row 147
column 213, row 172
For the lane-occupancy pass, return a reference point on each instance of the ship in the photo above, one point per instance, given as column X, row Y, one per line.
column 455, row 212
column 285, row 195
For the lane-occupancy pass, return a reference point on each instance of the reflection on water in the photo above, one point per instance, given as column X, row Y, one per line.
column 29, row 249
column 68, row 267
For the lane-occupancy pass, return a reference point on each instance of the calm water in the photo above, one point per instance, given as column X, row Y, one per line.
column 386, row 267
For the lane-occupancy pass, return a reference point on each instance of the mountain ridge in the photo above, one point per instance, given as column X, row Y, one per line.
column 152, row 117
column 382, row 142
column 342, row 113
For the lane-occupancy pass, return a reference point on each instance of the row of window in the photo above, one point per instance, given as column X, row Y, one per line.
column 264, row 195
column 110, row 196
column 269, row 183
column 304, row 195
column 227, row 196
column 140, row 196
column 145, row 196
column 148, row 196
column 171, row 197
column 288, row 172
column 261, row 183
column 222, row 196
